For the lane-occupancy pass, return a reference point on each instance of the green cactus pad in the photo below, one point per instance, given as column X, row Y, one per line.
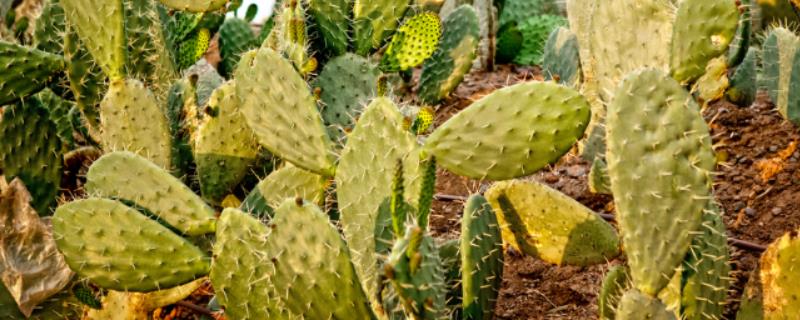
column 49, row 31
column 413, row 43
column 535, row 31
column 118, row 248
column 599, row 181
column 60, row 114
column 179, row 95
column 224, row 146
column 194, row 47
column 512, row 132
column 374, row 20
column 616, row 51
column 31, row 150
column 779, row 276
column 635, row 305
column 744, row 83
column 791, row 111
column 279, row 108
column 332, row 19
column 561, row 60
column 418, row 277
column 547, row 224
column 235, row 38
column 615, row 283
column 705, row 278
column 133, row 120
column 744, row 34
column 287, row 182
column 86, row 80
column 481, row 259
column 101, row 27
column 519, row 10
column 208, row 80
column 703, row 30
column 124, row 175
column 25, row 71
column 195, row 5
column 779, row 54
column 149, row 57
column 364, row 180
column 300, row 261
column 659, row 196
column 445, row 70
column 348, row 84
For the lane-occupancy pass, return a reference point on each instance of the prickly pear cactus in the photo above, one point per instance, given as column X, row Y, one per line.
column 635, row 305
column 364, row 178
column 702, row 31
column 541, row 121
column 415, row 271
column 31, row 150
column 535, row 31
column 133, row 120
column 279, row 108
column 412, row 43
column 332, row 18
column 792, row 109
column 445, row 70
column 224, row 147
column 195, row 5
column 149, row 57
column 178, row 96
column 194, row 47
column 481, row 259
column 347, row 85
column 86, row 80
column 778, row 278
column 25, row 71
column 744, row 34
column 547, row 224
column 124, row 175
column 136, row 305
column 599, row 182
column 779, row 54
column 49, row 30
column 118, row 248
column 302, row 259
column 657, row 212
column 705, row 278
column 519, row 10
column 235, row 38
column 615, row 283
column 287, row 182
column 101, row 27
column 561, row 59
column 374, row 20
column 744, row 83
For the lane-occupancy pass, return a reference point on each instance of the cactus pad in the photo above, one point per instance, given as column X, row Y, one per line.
column 235, row 38
column 615, row 283
column 561, row 60
column 374, row 20
column 535, row 31
column 635, row 305
column 415, row 271
column 779, row 276
column 547, row 224
column 25, row 71
column 101, row 27
column 118, row 248
column 779, row 54
column 413, row 43
column 124, row 175
column 224, row 147
column 744, row 83
column 195, row 5
column 703, row 30
column 599, row 181
column 445, row 70
column 279, row 108
column 705, row 278
column 364, row 179
column 659, row 197
column 31, row 150
column 287, row 182
column 512, row 132
column 481, row 259
column 133, row 120
column 348, row 83
column 332, row 19
column 86, row 79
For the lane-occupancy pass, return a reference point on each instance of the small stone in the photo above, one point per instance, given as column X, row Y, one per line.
column 776, row 211
column 750, row 212
column 738, row 206
column 773, row 148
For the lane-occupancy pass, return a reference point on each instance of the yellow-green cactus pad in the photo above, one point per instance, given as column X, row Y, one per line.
column 780, row 276
column 702, row 31
column 287, row 182
column 413, row 43
column 512, row 132
column 118, row 248
column 124, row 175
column 547, row 224
column 100, row 25
column 195, row 5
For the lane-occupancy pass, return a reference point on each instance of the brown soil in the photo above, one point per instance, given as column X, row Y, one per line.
column 757, row 210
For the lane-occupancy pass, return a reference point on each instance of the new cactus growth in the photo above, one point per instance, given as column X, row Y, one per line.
column 544, row 223
column 540, row 122
column 120, row 249
column 649, row 182
column 413, row 43
column 445, row 70
column 415, row 271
